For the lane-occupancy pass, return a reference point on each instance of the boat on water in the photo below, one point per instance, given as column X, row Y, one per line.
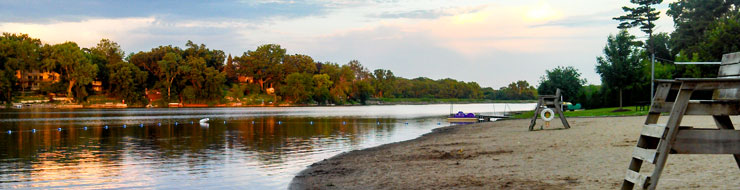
column 461, row 117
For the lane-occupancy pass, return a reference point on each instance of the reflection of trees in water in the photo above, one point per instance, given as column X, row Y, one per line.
column 297, row 137
column 57, row 154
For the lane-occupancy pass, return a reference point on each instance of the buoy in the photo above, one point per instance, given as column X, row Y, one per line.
column 141, row 125
column 344, row 122
column 83, row 128
column 33, row 130
column 407, row 123
column 106, row 127
column 224, row 122
column 439, row 123
column 252, row 122
column 378, row 123
column 59, row 129
column 310, row 122
column 159, row 124
column 175, row 123
column 547, row 114
column 124, row 126
column 204, row 120
column 191, row 122
column 279, row 122
column 9, row 132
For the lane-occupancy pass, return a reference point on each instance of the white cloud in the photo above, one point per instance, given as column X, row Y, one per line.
column 86, row 33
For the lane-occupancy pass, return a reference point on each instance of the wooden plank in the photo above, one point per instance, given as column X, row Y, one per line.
column 701, row 108
column 653, row 130
column 707, row 141
column 730, row 58
column 709, row 83
column 536, row 113
column 637, row 178
column 677, row 113
column 732, row 69
column 661, row 107
column 724, row 122
column 644, row 154
column 712, row 108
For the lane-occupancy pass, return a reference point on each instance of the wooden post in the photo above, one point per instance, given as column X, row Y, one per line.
column 549, row 101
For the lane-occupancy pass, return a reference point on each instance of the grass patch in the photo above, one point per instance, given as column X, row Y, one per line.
column 600, row 112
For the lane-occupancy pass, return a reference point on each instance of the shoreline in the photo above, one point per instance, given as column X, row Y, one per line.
column 24, row 106
column 593, row 154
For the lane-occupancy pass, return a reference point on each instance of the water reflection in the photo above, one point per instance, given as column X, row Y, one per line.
column 254, row 148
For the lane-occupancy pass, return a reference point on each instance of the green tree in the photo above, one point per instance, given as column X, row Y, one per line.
column 127, row 82
column 692, row 18
column 643, row 16
column 169, row 69
column 362, row 90
column 266, row 64
column 299, row 63
column 18, row 52
column 383, row 82
column 568, row 79
column 620, row 66
column 322, row 84
column 105, row 53
column 722, row 37
column 230, row 70
column 299, row 87
column 75, row 68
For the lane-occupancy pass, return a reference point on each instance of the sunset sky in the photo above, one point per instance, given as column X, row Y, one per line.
column 489, row 42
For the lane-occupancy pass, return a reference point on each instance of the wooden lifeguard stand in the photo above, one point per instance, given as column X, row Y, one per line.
column 549, row 101
column 657, row 141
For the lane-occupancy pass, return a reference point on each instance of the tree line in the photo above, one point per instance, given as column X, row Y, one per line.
column 198, row 74
column 704, row 31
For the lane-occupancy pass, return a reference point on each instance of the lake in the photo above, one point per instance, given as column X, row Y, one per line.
column 239, row 148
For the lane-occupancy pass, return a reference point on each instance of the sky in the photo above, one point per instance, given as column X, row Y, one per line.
column 492, row 42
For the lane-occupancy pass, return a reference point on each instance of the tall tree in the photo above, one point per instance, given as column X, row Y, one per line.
column 299, row 63
column 620, row 66
column 105, row 53
column 127, row 82
column 384, row 82
column 169, row 70
column 266, row 64
column 644, row 17
column 230, row 70
column 75, row 68
column 567, row 79
column 18, row 52
column 692, row 18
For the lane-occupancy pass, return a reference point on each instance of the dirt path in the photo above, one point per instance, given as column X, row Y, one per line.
column 593, row 154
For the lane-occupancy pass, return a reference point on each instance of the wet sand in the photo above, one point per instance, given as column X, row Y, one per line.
column 593, row 154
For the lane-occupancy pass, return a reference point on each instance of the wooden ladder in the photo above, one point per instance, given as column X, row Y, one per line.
column 657, row 141
column 652, row 135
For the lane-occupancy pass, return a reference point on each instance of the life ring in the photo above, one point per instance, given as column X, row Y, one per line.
column 547, row 114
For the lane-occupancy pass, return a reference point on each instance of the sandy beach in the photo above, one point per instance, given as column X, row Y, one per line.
column 593, row 154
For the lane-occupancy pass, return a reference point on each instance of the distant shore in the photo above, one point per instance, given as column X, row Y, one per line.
column 593, row 154
column 398, row 101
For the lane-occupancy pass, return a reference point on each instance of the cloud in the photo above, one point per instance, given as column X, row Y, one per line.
column 587, row 20
column 78, row 10
column 83, row 32
column 430, row 13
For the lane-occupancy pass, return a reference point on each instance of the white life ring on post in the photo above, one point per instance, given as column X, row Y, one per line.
column 547, row 114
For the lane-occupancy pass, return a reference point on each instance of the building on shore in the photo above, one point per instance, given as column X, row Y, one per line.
column 34, row 79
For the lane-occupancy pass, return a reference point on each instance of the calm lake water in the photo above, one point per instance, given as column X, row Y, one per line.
column 240, row 148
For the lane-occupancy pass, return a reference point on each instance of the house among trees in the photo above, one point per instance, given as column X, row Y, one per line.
column 33, row 79
column 97, row 86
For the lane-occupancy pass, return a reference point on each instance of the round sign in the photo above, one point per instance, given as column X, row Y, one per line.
column 547, row 114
